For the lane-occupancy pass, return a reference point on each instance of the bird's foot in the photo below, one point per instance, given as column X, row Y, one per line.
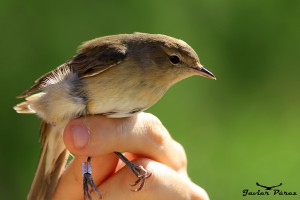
column 142, row 174
column 139, row 171
column 88, row 180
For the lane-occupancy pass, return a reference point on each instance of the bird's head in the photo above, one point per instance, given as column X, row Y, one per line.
column 171, row 57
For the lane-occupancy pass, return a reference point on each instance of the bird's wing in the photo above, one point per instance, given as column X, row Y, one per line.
column 277, row 185
column 261, row 185
column 258, row 184
column 90, row 61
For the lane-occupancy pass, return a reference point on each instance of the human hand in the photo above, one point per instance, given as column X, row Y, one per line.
column 149, row 144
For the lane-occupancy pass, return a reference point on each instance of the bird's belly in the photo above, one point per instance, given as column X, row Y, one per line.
column 117, row 107
column 119, row 103
column 132, row 96
column 123, row 114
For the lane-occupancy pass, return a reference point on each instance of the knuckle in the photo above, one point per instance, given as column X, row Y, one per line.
column 155, row 130
column 151, row 118
column 200, row 194
column 181, row 156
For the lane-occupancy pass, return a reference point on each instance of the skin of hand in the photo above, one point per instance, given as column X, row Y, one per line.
column 149, row 144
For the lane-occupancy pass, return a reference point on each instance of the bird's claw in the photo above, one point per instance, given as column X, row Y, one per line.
column 142, row 174
column 88, row 181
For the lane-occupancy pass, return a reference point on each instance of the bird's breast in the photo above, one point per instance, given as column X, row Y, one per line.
column 121, row 98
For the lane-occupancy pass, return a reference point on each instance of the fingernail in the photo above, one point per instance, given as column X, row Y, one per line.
column 80, row 136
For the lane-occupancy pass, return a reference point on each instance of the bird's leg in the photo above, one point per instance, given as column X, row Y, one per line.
column 88, row 180
column 139, row 171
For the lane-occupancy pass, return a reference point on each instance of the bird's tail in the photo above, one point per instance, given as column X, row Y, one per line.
column 52, row 161
column 24, row 107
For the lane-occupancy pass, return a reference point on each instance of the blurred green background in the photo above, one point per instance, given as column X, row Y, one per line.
column 238, row 130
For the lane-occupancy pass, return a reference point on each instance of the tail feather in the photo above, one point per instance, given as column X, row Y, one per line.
column 52, row 161
column 24, row 107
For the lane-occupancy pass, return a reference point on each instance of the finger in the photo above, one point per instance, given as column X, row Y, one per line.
column 70, row 183
column 164, row 183
column 142, row 134
column 131, row 156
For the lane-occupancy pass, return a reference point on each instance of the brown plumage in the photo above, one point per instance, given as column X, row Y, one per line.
column 118, row 76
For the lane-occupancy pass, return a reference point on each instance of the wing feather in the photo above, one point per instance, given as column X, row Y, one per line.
column 90, row 61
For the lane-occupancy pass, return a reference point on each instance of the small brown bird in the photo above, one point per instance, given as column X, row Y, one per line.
column 116, row 76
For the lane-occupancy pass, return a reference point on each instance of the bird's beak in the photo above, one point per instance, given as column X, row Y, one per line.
column 201, row 71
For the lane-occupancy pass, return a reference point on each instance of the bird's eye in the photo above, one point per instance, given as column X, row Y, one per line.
column 174, row 59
